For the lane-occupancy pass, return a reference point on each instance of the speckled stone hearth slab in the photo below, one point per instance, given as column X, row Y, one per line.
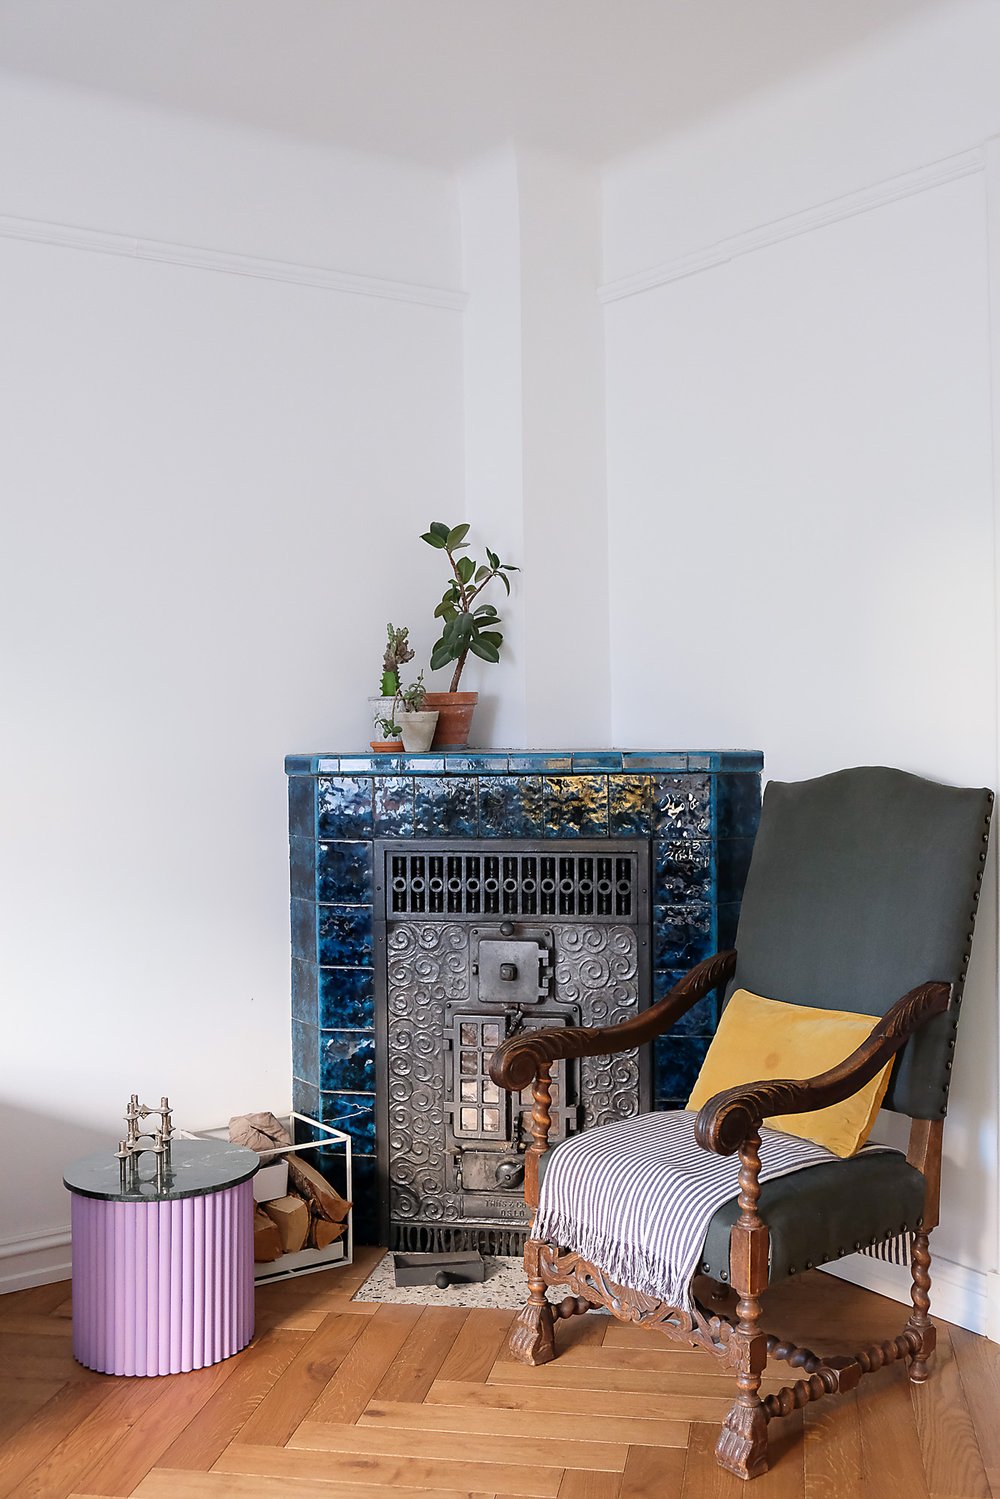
column 504, row 1286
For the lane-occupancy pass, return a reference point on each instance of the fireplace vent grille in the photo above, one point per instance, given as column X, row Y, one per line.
column 596, row 886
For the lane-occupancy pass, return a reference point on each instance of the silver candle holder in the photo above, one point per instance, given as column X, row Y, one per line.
column 134, row 1146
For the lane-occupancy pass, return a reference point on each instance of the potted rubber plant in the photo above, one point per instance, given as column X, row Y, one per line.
column 466, row 627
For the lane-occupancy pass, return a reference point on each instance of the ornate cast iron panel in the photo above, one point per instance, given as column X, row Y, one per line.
column 451, row 1157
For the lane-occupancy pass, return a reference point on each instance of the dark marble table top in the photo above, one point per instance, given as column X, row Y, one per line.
column 196, row 1168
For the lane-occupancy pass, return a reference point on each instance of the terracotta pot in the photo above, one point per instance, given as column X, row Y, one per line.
column 455, row 711
column 387, row 746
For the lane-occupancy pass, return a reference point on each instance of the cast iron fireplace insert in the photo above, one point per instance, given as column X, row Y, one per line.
column 474, row 940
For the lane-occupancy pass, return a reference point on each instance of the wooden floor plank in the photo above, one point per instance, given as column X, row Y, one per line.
column 833, row 1459
column 412, row 1372
column 502, row 1422
column 953, row 1462
column 316, row 1362
column 180, row 1484
column 198, row 1444
column 979, row 1368
column 58, row 1419
column 177, row 1399
column 598, row 1402
column 478, row 1346
column 551, row 1451
column 653, row 1473
column 569, row 1376
column 58, row 1468
column 391, row 1472
column 579, row 1485
column 889, row 1440
column 345, row 1396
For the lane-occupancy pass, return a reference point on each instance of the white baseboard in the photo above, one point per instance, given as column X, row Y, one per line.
column 958, row 1294
column 34, row 1260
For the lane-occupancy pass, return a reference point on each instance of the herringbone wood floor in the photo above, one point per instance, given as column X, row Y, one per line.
column 342, row 1400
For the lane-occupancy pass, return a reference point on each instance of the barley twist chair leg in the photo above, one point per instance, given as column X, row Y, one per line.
column 920, row 1321
column 742, row 1445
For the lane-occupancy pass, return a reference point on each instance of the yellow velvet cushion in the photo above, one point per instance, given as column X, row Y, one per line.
column 759, row 1039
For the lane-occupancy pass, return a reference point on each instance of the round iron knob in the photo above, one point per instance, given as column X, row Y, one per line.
column 510, row 1174
column 443, row 1280
column 508, row 971
column 506, row 929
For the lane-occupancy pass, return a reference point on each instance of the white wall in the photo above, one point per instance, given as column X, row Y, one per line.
column 213, row 487
column 801, row 501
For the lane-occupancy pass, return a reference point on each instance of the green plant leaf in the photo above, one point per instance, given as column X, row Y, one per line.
column 456, row 536
column 432, row 540
column 441, row 654
column 505, row 581
column 438, row 528
column 508, row 567
column 483, row 649
column 487, row 611
column 466, row 568
column 481, row 573
column 492, row 559
column 493, row 637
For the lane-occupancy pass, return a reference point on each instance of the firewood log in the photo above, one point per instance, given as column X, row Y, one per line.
column 323, row 1232
column 266, row 1238
column 291, row 1216
column 321, row 1197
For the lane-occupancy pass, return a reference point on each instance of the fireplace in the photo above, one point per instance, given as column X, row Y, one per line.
column 438, row 901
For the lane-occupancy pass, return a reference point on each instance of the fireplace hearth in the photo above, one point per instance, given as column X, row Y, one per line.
column 441, row 901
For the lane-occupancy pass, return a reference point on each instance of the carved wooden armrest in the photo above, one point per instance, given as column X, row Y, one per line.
column 733, row 1116
column 523, row 1057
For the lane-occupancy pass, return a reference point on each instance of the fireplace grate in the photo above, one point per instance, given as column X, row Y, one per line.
column 438, row 1238
column 457, row 883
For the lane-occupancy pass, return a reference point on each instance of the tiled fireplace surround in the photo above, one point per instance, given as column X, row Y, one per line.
column 697, row 809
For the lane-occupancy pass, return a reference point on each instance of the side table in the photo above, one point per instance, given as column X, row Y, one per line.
column 163, row 1274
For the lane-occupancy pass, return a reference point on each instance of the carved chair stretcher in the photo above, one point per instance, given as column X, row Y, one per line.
column 729, row 1124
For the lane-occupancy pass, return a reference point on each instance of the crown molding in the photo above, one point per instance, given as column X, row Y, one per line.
column 73, row 237
column 966, row 164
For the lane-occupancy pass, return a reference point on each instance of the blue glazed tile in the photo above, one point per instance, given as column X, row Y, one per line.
column 630, row 806
column 589, row 760
column 393, row 807
column 676, row 1064
column 354, row 1113
column 728, row 921
column 734, row 862
column 305, row 1051
column 445, row 807
column 354, row 765
column 301, row 807
column 425, row 765
column 682, row 873
column 305, row 1097
column 740, row 760
column 345, row 807
column 540, row 762
column 302, row 868
column 298, row 765
column 365, row 1216
column 654, row 760
column 345, row 936
column 347, row 1062
column 476, row 765
column 346, row 998
column 326, row 765
column 510, row 807
column 344, row 874
column 682, row 806
column 303, row 918
column 576, row 806
column 737, row 805
column 305, row 1000
column 702, row 1017
column 682, row 935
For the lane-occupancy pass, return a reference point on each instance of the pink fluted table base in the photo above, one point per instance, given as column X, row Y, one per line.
column 162, row 1287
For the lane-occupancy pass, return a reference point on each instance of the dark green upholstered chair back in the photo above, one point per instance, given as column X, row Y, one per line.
column 864, row 884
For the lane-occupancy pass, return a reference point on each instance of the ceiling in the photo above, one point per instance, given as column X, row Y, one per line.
column 439, row 81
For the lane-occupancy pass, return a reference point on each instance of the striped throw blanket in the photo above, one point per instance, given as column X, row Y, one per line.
column 636, row 1197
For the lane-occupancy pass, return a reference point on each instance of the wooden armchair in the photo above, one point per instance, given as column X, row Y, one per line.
column 863, row 887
